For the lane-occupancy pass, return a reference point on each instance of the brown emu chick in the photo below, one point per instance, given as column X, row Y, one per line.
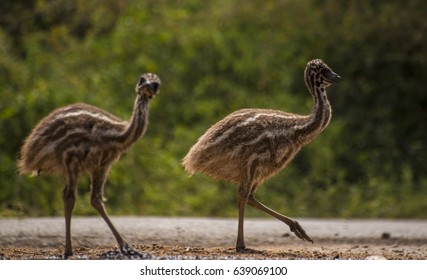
column 251, row 145
column 81, row 138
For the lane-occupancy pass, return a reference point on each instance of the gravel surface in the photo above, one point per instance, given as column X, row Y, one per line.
column 209, row 238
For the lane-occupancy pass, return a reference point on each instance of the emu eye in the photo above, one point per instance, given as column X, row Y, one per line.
column 155, row 86
column 324, row 72
column 141, row 81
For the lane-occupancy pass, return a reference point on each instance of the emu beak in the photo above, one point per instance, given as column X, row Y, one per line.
column 334, row 77
column 154, row 88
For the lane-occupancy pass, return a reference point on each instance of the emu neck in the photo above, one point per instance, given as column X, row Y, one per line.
column 138, row 122
column 320, row 114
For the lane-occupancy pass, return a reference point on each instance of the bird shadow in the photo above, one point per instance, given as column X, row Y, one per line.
column 127, row 255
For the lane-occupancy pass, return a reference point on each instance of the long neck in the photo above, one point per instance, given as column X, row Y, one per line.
column 138, row 122
column 321, row 111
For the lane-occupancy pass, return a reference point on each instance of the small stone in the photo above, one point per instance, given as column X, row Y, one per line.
column 375, row 257
column 385, row 235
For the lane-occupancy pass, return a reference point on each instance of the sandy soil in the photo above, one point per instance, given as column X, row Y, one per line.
column 198, row 238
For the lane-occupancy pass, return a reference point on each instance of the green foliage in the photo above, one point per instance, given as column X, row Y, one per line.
column 215, row 57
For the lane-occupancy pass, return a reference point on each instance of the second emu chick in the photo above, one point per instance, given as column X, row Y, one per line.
column 251, row 145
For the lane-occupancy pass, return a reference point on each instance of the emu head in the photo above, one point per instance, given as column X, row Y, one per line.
column 148, row 85
column 318, row 74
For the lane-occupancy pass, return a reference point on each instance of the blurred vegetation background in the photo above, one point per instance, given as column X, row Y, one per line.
column 215, row 57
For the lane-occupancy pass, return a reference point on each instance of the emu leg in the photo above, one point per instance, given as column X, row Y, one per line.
column 69, row 198
column 240, row 244
column 97, row 201
column 293, row 224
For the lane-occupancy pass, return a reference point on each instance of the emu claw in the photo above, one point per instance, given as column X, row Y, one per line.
column 300, row 232
column 130, row 253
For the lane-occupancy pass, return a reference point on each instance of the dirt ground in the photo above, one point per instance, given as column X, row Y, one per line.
column 197, row 238
column 325, row 251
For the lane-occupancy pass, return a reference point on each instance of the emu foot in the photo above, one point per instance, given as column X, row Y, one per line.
column 67, row 255
column 125, row 253
column 132, row 254
column 244, row 250
column 299, row 231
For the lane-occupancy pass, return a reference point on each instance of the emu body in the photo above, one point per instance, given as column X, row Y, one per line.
column 81, row 138
column 249, row 146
